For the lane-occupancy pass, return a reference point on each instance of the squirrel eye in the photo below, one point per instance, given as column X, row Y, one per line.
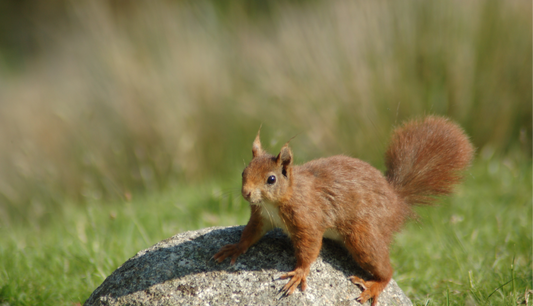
column 271, row 179
column 242, row 174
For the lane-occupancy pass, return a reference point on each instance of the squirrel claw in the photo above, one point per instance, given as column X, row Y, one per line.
column 233, row 250
column 298, row 277
column 365, row 296
column 287, row 275
column 358, row 281
column 371, row 290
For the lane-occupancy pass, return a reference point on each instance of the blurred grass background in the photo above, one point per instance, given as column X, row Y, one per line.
column 104, row 98
column 102, row 101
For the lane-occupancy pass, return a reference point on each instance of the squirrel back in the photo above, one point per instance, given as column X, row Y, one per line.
column 425, row 157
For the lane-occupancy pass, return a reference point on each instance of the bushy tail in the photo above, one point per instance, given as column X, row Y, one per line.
column 425, row 157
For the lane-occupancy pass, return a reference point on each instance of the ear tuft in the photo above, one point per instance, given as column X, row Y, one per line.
column 285, row 157
column 257, row 149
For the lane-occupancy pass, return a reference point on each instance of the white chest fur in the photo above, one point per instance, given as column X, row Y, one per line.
column 270, row 213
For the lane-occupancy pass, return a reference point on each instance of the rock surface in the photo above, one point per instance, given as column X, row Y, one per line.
column 179, row 271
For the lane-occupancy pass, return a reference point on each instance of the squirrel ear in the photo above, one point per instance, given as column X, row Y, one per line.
column 257, row 150
column 284, row 157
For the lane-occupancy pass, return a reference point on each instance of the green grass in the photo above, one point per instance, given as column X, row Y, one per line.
column 473, row 249
column 62, row 262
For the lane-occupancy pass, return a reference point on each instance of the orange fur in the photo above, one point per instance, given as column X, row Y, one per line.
column 349, row 199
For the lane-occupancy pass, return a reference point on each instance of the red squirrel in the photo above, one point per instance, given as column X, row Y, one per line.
column 348, row 200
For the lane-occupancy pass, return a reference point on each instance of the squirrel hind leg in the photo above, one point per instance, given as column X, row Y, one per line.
column 377, row 263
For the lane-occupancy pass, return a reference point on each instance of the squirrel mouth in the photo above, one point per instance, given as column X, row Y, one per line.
column 248, row 198
column 256, row 202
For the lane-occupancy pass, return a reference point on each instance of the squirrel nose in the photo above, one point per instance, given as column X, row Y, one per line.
column 246, row 194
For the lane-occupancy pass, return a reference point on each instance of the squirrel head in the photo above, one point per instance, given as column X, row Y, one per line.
column 267, row 177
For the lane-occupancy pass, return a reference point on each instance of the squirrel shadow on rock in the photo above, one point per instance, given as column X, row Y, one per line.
column 169, row 270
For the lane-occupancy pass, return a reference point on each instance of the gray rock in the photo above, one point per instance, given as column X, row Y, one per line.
column 180, row 271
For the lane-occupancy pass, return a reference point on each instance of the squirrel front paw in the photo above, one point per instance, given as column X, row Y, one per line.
column 233, row 250
column 298, row 276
